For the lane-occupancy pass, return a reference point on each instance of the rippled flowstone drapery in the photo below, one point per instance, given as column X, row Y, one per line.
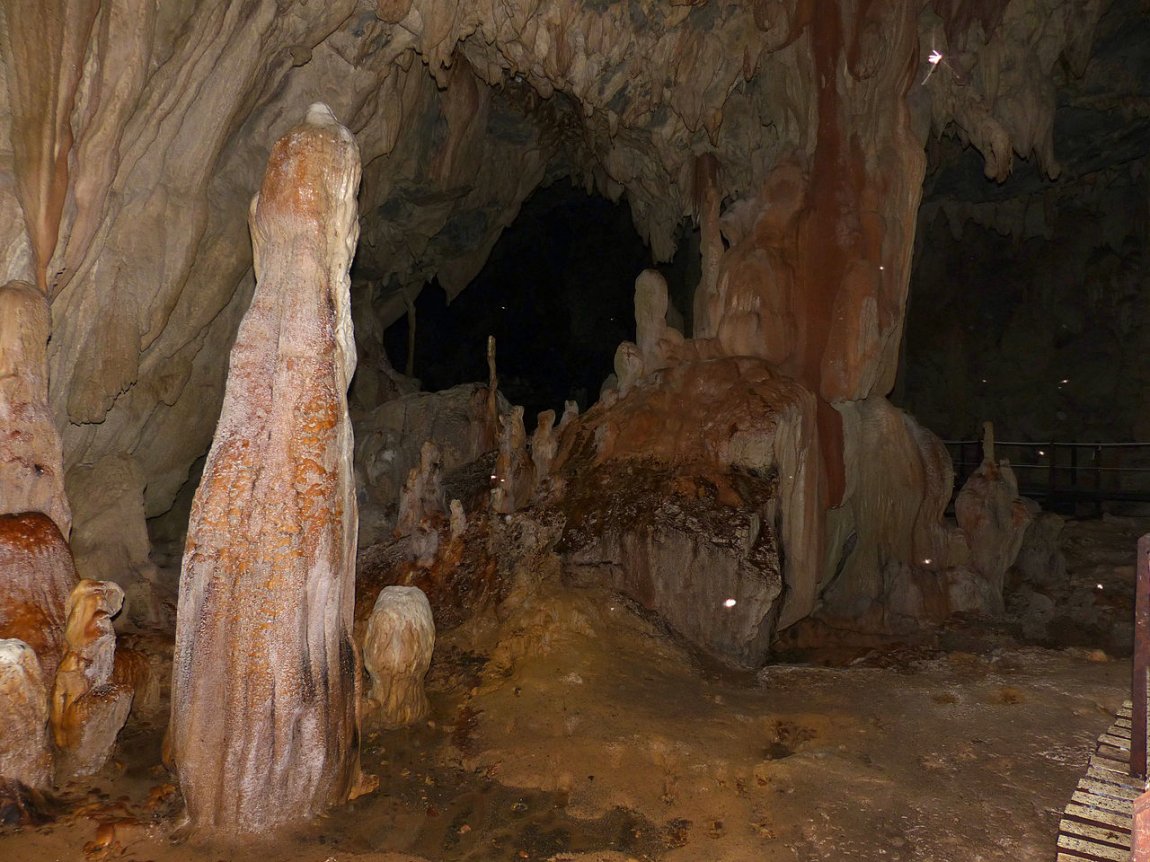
column 264, row 727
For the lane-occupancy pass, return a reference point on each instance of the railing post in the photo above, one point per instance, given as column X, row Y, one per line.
column 1098, row 450
column 1141, row 660
column 1074, row 479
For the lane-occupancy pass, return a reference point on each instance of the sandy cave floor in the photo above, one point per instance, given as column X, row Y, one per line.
column 573, row 728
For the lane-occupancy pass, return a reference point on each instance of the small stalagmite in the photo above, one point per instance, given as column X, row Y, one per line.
column 652, row 335
column 264, row 695
column 544, row 445
column 38, row 574
column 992, row 515
column 514, row 473
column 397, row 654
column 88, row 706
column 24, row 752
column 422, row 493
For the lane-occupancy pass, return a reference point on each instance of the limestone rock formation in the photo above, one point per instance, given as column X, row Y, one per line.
column 628, row 369
column 132, row 135
column 25, row 755
column 993, row 517
column 264, row 728
column 544, row 445
column 89, row 706
column 388, row 443
column 712, row 419
column 422, row 494
column 898, row 485
column 38, row 576
column 698, row 548
column 397, row 650
column 134, row 375
column 514, row 476
column 895, row 562
column 31, row 472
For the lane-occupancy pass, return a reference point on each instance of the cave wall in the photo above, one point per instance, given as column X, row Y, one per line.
column 1045, row 336
column 792, row 130
column 1028, row 296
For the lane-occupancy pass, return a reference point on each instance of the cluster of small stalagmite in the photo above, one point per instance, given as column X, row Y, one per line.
column 686, row 108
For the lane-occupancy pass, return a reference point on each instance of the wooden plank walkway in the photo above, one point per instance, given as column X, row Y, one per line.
column 1096, row 823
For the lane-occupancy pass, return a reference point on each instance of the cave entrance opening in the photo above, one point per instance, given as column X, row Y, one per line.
column 557, row 292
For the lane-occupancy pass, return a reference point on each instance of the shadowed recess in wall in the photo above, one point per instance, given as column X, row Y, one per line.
column 558, row 295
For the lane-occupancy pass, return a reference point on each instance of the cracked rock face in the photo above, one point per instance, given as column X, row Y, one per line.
column 694, row 547
column 264, row 726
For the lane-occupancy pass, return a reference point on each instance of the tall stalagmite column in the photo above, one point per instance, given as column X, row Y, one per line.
column 264, row 727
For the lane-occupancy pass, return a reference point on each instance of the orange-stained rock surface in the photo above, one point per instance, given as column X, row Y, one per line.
column 723, row 413
column 38, row 575
column 89, row 706
column 264, row 728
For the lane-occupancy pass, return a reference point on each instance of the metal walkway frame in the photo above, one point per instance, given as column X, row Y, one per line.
column 1062, row 475
column 1097, row 825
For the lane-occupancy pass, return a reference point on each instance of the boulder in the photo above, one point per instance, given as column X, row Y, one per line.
column 699, row 549
column 700, row 494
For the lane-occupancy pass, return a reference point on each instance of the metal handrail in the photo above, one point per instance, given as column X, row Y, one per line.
column 1039, row 445
column 1059, row 472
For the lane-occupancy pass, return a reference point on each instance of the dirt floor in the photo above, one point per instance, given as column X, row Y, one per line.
column 570, row 727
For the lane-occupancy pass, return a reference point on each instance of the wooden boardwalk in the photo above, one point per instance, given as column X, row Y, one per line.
column 1096, row 824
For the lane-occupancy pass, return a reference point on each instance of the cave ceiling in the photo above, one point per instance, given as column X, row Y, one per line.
column 134, row 182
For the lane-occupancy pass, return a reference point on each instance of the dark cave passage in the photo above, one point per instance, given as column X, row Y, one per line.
column 558, row 295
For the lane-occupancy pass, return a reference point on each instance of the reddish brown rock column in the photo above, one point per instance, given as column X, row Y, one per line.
column 264, row 727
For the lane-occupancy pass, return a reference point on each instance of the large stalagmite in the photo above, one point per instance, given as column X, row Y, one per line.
column 264, row 726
